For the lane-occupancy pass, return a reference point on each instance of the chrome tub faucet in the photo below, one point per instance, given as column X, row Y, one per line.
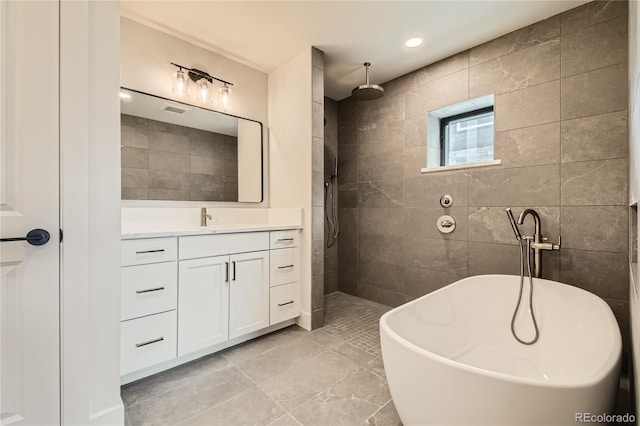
column 538, row 242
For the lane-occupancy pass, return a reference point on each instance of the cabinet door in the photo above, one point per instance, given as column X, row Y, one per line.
column 203, row 303
column 248, row 293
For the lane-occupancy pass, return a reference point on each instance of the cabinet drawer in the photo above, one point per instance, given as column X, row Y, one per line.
column 284, row 239
column 149, row 250
column 285, row 302
column 285, row 266
column 147, row 341
column 148, row 289
column 193, row 247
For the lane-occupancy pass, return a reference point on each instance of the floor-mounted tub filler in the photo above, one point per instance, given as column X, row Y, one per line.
column 451, row 359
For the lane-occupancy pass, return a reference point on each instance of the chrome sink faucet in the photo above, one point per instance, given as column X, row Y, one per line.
column 539, row 243
column 204, row 216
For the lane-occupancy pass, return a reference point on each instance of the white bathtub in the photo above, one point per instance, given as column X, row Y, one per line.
column 450, row 358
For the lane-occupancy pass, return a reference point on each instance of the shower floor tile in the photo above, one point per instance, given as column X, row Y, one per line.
column 355, row 320
column 289, row 377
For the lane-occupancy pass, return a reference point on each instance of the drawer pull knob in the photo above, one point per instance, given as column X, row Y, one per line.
column 150, row 251
column 285, row 267
column 285, row 239
column 160, row 339
column 287, row 303
column 149, row 290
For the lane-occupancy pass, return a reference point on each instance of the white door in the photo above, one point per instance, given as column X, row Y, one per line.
column 248, row 293
column 29, row 198
column 203, row 303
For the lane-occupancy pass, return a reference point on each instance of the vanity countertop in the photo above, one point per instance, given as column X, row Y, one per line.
column 135, row 232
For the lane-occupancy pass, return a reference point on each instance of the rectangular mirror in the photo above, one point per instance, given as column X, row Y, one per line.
column 176, row 151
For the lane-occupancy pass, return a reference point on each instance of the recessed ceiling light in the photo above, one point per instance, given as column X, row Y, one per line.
column 413, row 42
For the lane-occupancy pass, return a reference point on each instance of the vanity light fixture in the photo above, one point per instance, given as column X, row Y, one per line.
column 413, row 42
column 203, row 94
column 224, row 96
column 181, row 83
column 202, row 81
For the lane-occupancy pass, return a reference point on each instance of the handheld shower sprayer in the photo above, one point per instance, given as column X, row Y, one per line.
column 514, row 225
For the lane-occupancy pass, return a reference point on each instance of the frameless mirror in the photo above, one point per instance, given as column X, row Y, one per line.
column 176, row 151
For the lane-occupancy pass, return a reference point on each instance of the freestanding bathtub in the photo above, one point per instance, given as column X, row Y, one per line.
column 450, row 358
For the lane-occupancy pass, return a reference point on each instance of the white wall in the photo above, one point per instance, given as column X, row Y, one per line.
column 290, row 141
column 634, row 188
column 146, row 55
column 90, row 212
column 248, row 161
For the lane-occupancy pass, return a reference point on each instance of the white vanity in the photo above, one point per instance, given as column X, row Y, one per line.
column 189, row 293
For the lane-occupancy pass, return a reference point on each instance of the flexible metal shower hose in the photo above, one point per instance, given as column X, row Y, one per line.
column 515, row 312
column 334, row 227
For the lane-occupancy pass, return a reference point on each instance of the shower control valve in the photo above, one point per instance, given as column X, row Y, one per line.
column 546, row 245
column 446, row 224
column 446, row 200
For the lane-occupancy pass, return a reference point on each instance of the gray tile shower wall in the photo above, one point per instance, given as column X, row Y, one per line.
column 317, row 189
column 162, row 161
column 330, row 155
column 560, row 89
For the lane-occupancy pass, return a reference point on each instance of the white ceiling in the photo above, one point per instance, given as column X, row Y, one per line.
column 264, row 34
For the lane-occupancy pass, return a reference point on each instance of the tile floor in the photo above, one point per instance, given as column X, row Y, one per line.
column 330, row 376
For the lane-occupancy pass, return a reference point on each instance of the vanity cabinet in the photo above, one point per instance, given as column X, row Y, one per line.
column 221, row 298
column 186, row 296
column 284, row 276
column 203, row 314
column 235, row 286
column 149, row 283
column 248, row 293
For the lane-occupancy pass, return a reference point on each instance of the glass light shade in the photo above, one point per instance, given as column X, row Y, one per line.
column 203, row 93
column 181, row 84
column 225, row 95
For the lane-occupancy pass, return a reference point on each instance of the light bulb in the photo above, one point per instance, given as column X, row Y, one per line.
column 203, row 90
column 224, row 97
column 413, row 42
column 181, row 84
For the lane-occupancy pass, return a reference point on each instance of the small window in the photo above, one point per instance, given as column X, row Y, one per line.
column 460, row 135
column 467, row 137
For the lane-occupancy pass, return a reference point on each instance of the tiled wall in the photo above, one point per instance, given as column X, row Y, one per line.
column 560, row 90
column 162, row 161
column 634, row 189
column 317, row 186
column 330, row 154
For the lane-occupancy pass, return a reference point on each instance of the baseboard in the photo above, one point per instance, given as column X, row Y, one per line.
column 304, row 320
column 113, row 416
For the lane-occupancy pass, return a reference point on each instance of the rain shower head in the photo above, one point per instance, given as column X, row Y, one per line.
column 367, row 92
